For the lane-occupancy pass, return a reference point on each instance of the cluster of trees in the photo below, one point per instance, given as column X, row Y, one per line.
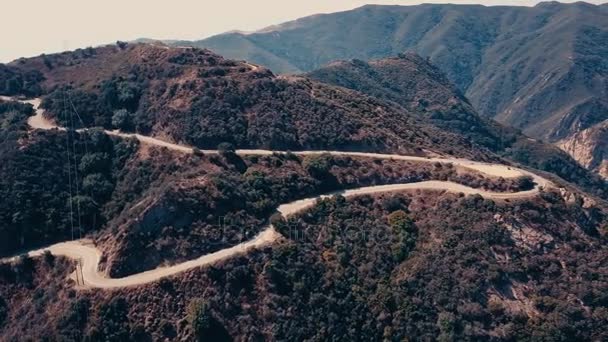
column 287, row 116
column 203, row 324
column 550, row 159
column 113, row 107
column 450, row 287
column 153, row 96
column 422, row 90
column 406, row 267
column 35, row 180
column 14, row 81
column 228, row 102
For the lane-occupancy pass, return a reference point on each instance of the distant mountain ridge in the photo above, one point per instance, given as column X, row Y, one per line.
column 543, row 69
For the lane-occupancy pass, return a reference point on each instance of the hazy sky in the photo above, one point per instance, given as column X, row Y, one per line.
column 32, row 27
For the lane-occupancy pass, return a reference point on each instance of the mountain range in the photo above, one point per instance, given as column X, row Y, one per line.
column 149, row 174
column 542, row 69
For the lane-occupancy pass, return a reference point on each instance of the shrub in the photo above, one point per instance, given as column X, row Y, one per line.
column 204, row 326
column 122, row 120
column 225, row 148
column 49, row 258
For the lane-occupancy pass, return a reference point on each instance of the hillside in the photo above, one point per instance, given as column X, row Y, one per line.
column 419, row 264
column 542, row 69
column 418, row 86
column 424, row 265
column 198, row 98
column 589, row 147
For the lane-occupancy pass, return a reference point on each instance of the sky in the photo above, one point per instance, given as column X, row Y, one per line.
column 32, row 27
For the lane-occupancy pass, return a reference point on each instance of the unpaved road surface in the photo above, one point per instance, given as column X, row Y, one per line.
column 90, row 256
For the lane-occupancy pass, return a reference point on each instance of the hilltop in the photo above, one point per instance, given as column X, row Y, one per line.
column 196, row 97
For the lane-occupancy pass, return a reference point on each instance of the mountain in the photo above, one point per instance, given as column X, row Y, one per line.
column 421, row 264
column 468, row 269
column 542, row 69
column 199, row 98
column 418, row 86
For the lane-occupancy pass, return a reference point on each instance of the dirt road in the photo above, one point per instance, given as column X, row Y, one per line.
column 91, row 256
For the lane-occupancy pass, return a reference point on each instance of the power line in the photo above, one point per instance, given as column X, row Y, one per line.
column 86, row 150
column 76, row 180
column 67, row 145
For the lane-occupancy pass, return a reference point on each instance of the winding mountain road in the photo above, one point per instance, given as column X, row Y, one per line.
column 90, row 257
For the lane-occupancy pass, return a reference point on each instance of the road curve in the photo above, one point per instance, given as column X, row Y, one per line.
column 90, row 257
column 38, row 121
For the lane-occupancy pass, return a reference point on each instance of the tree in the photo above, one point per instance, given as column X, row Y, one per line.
column 95, row 163
column 113, row 320
column 49, row 258
column 122, row 120
column 199, row 318
column 197, row 151
column 317, row 165
column 446, row 322
column 128, row 95
column 525, row 183
column 98, row 186
column 13, row 86
column 204, row 326
column 72, row 322
column 400, row 221
column 403, row 227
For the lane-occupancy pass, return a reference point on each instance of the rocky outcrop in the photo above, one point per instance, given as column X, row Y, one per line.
column 589, row 147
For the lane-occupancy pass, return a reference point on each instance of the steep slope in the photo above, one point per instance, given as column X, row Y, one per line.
column 418, row 86
column 589, row 148
column 35, row 190
column 413, row 83
column 542, row 69
column 427, row 265
column 423, row 266
column 201, row 99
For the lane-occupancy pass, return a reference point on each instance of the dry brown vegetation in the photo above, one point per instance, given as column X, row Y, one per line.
column 420, row 265
column 201, row 204
column 199, row 98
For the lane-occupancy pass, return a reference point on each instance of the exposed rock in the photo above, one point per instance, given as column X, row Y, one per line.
column 589, row 147
column 524, row 236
